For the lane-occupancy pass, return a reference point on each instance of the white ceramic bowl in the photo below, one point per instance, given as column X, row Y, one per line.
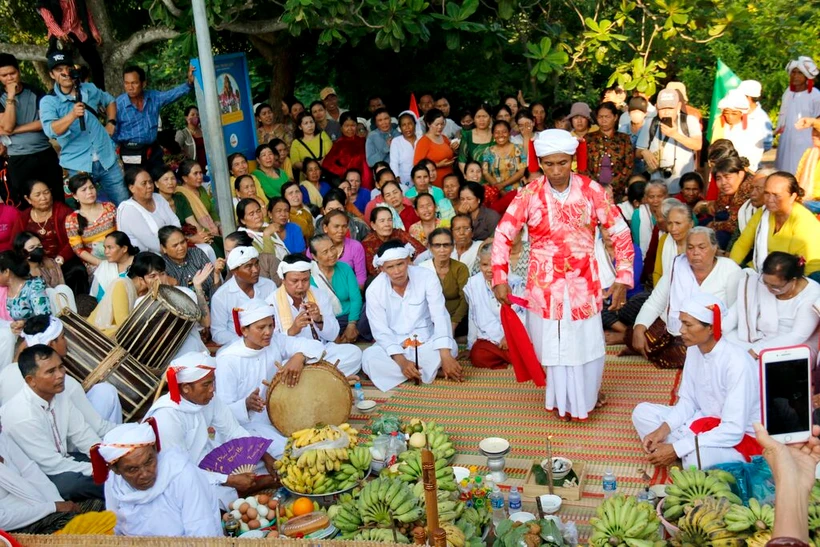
column 555, row 474
column 550, row 503
column 522, row 516
column 461, row 473
column 659, row 490
column 366, row 407
column 494, row 445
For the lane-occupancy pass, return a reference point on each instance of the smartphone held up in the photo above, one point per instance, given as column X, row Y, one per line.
column 786, row 395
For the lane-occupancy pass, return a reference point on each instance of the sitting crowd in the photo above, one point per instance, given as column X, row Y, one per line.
column 381, row 230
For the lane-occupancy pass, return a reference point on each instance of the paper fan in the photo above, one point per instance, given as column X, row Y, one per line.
column 237, row 456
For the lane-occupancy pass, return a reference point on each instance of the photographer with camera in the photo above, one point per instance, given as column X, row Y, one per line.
column 668, row 141
column 68, row 115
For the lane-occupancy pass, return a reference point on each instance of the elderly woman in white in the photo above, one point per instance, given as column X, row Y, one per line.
column 656, row 334
column 775, row 308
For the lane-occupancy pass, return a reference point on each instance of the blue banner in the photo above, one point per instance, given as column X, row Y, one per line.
column 233, row 87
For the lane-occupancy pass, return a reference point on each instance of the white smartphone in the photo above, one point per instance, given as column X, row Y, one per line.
column 785, row 388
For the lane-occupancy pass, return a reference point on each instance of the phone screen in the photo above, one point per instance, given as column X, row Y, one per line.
column 788, row 396
column 667, row 122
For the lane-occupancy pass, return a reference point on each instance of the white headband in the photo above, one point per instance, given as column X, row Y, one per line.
column 396, row 253
column 241, row 255
column 805, row 65
column 124, row 439
column 55, row 328
column 734, row 100
column 750, row 88
column 284, row 268
column 555, row 141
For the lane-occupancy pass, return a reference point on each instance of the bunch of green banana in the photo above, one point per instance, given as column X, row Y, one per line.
column 438, row 441
column 384, row 500
column 624, row 520
column 759, row 538
column 756, row 517
column 448, row 508
column 692, row 484
column 703, row 524
column 360, row 457
column 384, row 535
column 345, row 516
column 346, row 477
column 410, row 470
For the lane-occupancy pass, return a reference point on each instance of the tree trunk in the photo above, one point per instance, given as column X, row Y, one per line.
column 276, row 49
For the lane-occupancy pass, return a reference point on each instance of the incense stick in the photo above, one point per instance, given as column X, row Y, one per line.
column 549, row 464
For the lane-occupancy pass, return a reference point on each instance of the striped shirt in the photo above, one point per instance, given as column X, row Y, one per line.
column 140, row 126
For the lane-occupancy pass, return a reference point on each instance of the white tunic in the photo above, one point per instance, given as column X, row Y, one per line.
column 793, row 142
column 180, row 504
column 26, row 494
column 720, row 282
column 469, row 257
column 240, row 370
column 348, row 355
column 43, row 430
column 748, row 142
column 141, row 225
column 484, row 315
column 394, row 319
column 11, row 382
column 745, row 214
column 722, row 384
column 760, row 121
column 230, row 296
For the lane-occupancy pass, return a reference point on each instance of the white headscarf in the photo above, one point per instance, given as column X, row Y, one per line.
column 707, row 308
column 191, row 367
column 54, row 330
column 396, row 253
column 555, row 141
column 805, row 65
column 750, row 88
column 119, row 442
column 241, row 255
column 734, row 100
column 299, row 266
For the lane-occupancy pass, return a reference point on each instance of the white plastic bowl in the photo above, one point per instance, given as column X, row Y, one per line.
column 366, row 407
column 556, row 475
column 550, row 503
column 522, row 516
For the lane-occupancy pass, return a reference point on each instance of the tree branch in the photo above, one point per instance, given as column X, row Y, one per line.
column 125, row 50
column 171, row 7
column 103, row 22
column 649, row 45
column 254, row 27
column 25, row 52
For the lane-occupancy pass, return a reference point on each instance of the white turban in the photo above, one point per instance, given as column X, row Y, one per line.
column 241, row 255
column 191, row 367
column 299, row 266
column 54, row 330
column 255, row 310
column 555, row 141
column 119, row 442
column 707, row 308
column 734, row 100
column 396, row 253
column 805, row 65
column 750, row 88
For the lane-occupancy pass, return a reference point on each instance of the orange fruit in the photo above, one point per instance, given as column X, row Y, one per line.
column 302, row 506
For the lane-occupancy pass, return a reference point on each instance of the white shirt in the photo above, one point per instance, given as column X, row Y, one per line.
column 330, row 325
column 759, row 119
column 11, row 382
column 748, row 142
column 469, row 257
column 185, row 426
column 484, row 319
column 401, row 160
column 793, row 142
column 745, row 214
column 43, row 430
column 180, row 504
column 722, row 384
column 421, row 311
column 674, row 156
column 141, row 225
column 26, row 494
column 230, row 296
column 720, row 282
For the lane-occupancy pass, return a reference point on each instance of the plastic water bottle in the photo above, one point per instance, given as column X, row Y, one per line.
column 610, row 484
column 514, row 499
column 497, row 505
column 358, row 392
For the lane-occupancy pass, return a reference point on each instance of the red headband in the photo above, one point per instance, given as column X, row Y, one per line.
column 236, row 325
column 717, row 329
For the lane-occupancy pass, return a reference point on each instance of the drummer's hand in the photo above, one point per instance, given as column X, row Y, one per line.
column 202, row 275
column 450, row 367
column 313, row 311
column 501, row 293
column 302, row 320
column 293, row 369
column 408, row 367
column 255, row 403
column 269, row 460
column 241, row 481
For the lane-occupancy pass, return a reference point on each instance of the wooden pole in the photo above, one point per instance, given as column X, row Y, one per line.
column 428, row 474
column 439, row 538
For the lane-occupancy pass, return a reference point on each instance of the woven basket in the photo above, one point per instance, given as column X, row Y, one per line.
column 120, row 541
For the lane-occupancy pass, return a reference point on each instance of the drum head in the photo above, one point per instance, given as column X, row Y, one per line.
column 178, row 302
column 322, row 396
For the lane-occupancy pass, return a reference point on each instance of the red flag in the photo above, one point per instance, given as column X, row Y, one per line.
column 413, row 106
column 522, row 353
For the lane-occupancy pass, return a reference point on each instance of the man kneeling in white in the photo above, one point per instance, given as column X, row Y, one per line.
column 307, row 312
column 405, row 306
column 189, row 417
column 718, row 400
column 243, row 368
column 153, row 493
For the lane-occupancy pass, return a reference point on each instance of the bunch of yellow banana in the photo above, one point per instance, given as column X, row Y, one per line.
column 624, row 520
column 759, row 538
column 703, row 524
column 297, row 480
column 756, row 517
column 322, row 460
column 312, row 435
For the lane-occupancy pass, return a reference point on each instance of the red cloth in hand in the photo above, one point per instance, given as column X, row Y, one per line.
column 748, row 446
column 522, row 353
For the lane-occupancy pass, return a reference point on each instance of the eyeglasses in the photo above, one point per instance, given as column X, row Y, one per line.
column 782, row 289
column 440, row 245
